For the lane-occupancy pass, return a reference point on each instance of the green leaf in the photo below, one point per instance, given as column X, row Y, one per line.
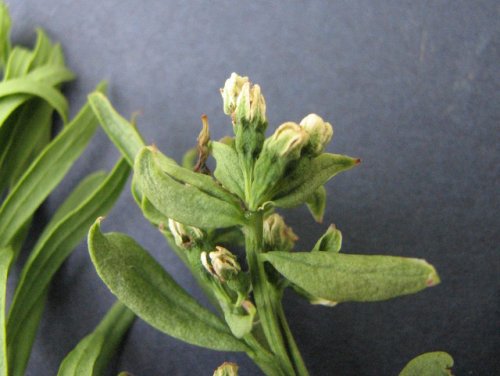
column 6, row 256
column 184, row 203
column 91, row 356
column 330, row 241
column 18, row 63
column 308, row 176
column 5, row 24
column 42, row 51
column 436, row 363
column 120, row 131
column 29, row 127
column 51, row 74
column 93, row 197
column 149, row 291
column 40, row 89
column 45, row 173
column 316, row 204
column 339, row 277
column 228, row 170
column 189, row 158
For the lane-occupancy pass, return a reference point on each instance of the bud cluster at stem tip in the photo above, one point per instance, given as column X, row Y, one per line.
column 243, row 101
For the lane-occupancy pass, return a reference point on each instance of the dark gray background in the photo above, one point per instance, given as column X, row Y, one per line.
column 410, row 86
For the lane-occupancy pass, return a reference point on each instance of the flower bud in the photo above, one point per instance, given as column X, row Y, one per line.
column 251, row 106
column 221, row 263
column 287, row 141
column 230, row 92
column 184, row 236
column 320, row 133
column 277, row 235
column 227, row 369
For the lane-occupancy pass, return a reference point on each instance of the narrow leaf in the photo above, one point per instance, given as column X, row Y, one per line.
column 120, row 131
column 45, row 173
column 6, row 256
column 227, row 170
column 308, row 176
column 436, row 363
column 183, row 203
column 30, row 125
column 339, row 277
column 69, row 226
column 149, row 291
column 91, row 356
column 37, row 88
column 5, row 24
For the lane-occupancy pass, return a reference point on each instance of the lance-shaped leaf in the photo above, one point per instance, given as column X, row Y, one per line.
column 228, row 170
column 45, row 173
column 31, row 124
column 316, row 203
column 310, row 174
column 436, row 363
column 120, row 131
column 6, row 256
column 40, row 89
column 339, row 277
column 147, row 289
column 5, row 24
column 93, row 197
column 184, row 203
column 91, row 356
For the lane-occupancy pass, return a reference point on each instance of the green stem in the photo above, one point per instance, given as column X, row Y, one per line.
column 262, row 357
column 292, row 345
column 262, row 290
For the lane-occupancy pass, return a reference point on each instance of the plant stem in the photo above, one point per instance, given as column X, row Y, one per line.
column 262, row 291
column 292, row 346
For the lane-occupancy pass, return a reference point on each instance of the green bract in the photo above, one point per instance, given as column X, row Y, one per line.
column 205, row 217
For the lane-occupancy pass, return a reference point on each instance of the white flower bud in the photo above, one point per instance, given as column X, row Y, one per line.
column 227, row 369
column 251, row 105
column 320, row 133
column 184, row 235
column 277, row 235
column 220, row 263
column 231, row 91
column 288, row 140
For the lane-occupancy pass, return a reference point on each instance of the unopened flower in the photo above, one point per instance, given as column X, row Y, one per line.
column 251, row 106
column 230, row 92
column 320, row 133
column 184, row 236
column 277, row 235
column 221, row 263
column 287, row 141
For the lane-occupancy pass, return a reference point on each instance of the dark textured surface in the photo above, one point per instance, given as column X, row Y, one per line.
column 411, row 88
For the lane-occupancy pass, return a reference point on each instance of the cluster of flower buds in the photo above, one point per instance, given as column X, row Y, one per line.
column 244, row 102
column 277, row 235
column 184, row 236
column 221, row 263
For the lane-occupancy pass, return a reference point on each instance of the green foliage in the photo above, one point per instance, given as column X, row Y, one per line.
column 436, row 363
column 92, row 354
column 148, row 290
column 197, row 212
column 182, row 202
column 341, row 278
column 31, row 167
